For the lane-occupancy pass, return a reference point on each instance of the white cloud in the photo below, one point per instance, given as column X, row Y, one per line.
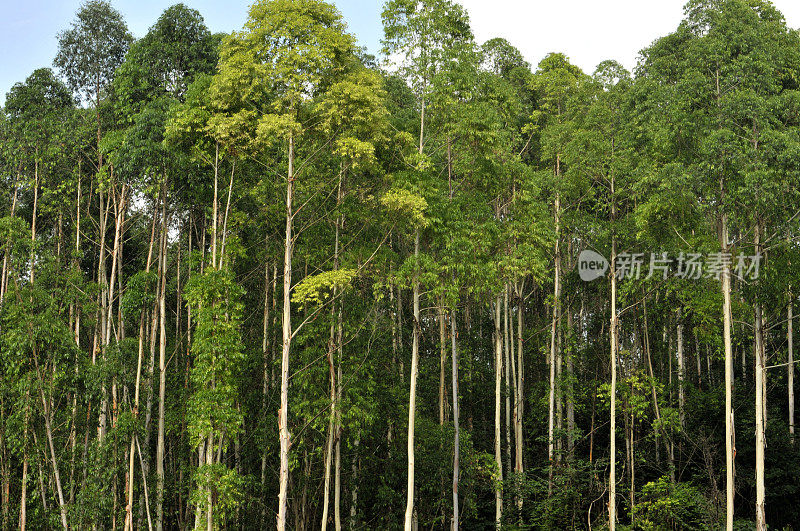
column 587, row 31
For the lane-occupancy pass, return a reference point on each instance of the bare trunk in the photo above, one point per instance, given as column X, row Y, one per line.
column 729, row 422
column 337, row 494
column 498, row 372
column 442, row 360
column 507, row 382
column 331, row 427
column 266, row 362
column 790, row 366
column 412, row 398
column 62, row 507
column 681, row 397
column 612, row 475
column 520, row 401
column 570, row 391
column 553, row 348
column 456, row 432
column 354, row 469
column 162, row 368
column 761, row 403
column 283, row 413
column 140, row 356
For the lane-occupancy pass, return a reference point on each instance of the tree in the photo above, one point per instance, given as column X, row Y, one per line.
column 286, row 53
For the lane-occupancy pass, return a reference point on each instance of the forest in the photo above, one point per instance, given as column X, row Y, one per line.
column 268, row 279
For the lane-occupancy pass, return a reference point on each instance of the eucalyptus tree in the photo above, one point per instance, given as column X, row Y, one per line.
column 287, row 55
column 39, row 112
column 558, row 85
column 598, row 158
column 353, row 114
column 156, row 73
column 428, row 36
column 90, row 51
column 738, row 56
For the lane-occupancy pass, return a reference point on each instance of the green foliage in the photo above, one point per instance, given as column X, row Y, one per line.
column 315, row 289
column 408, row 205
column 92, row 49
column 217, row 351
column 140, row 294
column 667, row 505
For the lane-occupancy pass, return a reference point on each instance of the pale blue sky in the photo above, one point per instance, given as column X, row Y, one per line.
column 28, row 28
column 587, row 31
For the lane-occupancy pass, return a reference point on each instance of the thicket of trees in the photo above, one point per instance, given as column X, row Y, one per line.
column 264, row 277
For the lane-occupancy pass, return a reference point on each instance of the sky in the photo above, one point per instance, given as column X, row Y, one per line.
column 587, row 31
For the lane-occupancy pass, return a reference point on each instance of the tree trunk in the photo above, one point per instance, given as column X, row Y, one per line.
column 354, row 469
column 681, row 396
column 498, row 372
column 456, row 432
column 331, row 426
column 507, row 381
column 337, row 494
column 726, row 334
column 162, row 367
column 520, row 401
column 412, row 398
column 283, row 413
column 612, row 475
column 761, row 402
column 554, row 333
column 790, row 366
column 570, row 391
column 442, row 360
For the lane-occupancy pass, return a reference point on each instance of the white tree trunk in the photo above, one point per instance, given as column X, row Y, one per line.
column 412, row 398
column 790, row 367
column 726, row 334
column 456, row 432
column 761, row 404
column 283, row 413
column 498, row 372
column 681, row 396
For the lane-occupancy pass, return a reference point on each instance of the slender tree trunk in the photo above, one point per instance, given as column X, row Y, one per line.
column 23, row 497
column 790, row 366
column 456, row 428
column 442, row 360
column 355, row 467
column 612, row 475
column 283, row 413
column 554, row 338
column 201, row 459
column 46, row 409
column 162, row 367
column 507, row 381
column 498, row 372
column 412, row 398
column 761, row 402
column 331, row 426
column 726, row 334
column 681, row 396
column 140, row 356
column 337, row 493
column 266, row 362
column 102, row 277
column 632, row 466
column 697, row 359
column 570, row 391
column 520, row 401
